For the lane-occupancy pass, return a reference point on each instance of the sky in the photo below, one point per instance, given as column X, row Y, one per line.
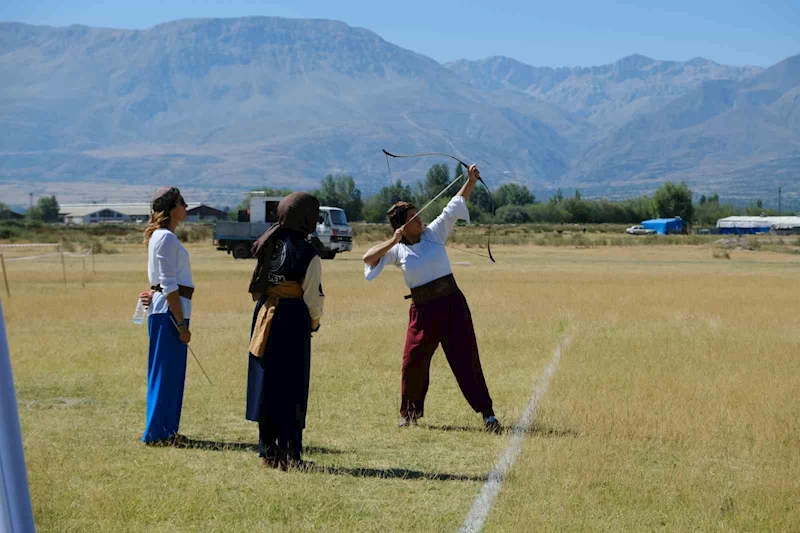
column 553, row 33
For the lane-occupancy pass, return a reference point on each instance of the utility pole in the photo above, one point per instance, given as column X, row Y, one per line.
column 779, row 201
column 31, row 202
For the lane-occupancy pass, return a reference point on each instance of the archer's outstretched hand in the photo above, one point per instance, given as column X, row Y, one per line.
column 373, row 256
column 469, row 185
column 474, row 173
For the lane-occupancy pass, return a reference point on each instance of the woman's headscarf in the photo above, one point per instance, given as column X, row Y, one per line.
column 297, row 212
column 165, row 199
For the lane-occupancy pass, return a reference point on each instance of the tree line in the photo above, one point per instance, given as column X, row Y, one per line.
column 513, row 203
column 516, row 204
column 45, row 210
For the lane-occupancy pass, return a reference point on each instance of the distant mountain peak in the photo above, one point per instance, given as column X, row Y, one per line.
column 699, row 62
column 636, row 60
column 241, row 102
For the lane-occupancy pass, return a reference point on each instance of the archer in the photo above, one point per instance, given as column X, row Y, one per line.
column 439, row 313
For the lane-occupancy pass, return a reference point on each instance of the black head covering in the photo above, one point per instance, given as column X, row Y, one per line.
column 297, row 212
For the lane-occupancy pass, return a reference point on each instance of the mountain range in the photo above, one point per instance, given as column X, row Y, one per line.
column 219, row 106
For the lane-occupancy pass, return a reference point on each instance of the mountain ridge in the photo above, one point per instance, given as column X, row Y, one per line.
column 229, row 104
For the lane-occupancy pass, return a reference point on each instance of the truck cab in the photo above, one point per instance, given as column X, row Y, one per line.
column 237, row 238
column 334, row 232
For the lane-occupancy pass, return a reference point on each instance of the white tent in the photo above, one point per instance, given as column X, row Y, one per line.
column 773, row 223
column 16, row 515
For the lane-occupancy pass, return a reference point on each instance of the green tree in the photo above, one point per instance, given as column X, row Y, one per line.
column 512, row 194
column 512, row 214
column 481, row 198
column 375, row 207
column 558, row 197
column 5, row 211
column 638, row 209
column 459, row 171
column 48, row 205
column 674, row 200
column 581, row 211
column 437, row 178
column 551, row 212
column 340, row 191
column 34, row 213
column 707, row 214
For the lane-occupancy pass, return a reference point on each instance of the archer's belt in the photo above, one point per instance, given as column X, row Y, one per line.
column 288, row 290
column 438, row 288
column 183, row 290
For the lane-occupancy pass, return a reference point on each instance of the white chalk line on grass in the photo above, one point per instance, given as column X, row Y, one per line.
column 483, row 503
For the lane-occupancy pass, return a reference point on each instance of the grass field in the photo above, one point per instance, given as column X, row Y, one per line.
column 675, row 406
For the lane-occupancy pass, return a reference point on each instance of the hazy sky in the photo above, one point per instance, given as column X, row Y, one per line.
column 577, row 33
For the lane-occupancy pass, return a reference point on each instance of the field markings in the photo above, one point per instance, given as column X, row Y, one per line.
column 483, row 503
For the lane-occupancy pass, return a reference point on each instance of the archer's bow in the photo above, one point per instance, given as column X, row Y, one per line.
column 425, row 154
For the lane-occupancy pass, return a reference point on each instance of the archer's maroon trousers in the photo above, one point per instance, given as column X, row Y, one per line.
column 446, row 320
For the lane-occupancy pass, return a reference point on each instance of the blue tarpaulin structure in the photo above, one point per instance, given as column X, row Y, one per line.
column 16, row 515
column 664, row 226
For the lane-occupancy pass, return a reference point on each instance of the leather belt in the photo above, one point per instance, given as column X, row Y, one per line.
column 438, row 288
column 184, row 291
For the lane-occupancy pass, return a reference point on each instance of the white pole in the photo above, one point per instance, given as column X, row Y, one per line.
column 5, row 277
column 63, row 266
column 16, row 514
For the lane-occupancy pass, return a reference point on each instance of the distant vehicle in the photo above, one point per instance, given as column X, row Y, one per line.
column 237, row 238
column 639, row 230
column 333, row 232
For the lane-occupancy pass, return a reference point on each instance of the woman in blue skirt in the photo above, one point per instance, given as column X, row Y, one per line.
column 168, row 325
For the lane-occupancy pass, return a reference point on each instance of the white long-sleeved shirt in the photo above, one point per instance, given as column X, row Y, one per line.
column 427, row 260
column 168, row 266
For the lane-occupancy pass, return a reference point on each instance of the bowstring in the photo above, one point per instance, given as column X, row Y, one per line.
column 455, row 248
column 391, row 180
column 491, row 197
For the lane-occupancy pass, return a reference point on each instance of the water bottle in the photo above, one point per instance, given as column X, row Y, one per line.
column 140, row 313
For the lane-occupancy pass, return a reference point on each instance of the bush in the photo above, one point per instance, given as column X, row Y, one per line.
column 194, row 233
column 511, row 214
column 549, row 212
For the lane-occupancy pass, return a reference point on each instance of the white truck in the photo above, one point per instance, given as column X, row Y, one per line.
column 236, row 238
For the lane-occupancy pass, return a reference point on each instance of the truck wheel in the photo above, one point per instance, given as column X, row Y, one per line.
column 240, row 251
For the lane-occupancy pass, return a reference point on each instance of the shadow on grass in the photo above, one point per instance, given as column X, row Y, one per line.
column 535, row 430
column 391, row 473
column 219, row 446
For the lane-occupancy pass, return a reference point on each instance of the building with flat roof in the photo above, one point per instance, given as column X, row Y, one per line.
column 133, row 213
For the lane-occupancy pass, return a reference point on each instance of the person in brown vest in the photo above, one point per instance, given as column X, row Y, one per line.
column 286, row 286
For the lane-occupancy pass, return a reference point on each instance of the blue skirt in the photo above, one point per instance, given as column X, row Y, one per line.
column 166, row 375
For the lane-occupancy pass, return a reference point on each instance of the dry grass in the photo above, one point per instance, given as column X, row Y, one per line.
column 675, row 407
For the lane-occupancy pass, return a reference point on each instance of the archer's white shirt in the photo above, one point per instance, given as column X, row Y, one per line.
column 427, row 260
column 168, row 266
